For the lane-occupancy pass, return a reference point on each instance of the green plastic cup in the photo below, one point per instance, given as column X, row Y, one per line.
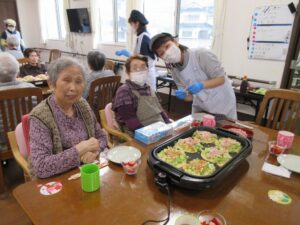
column 90, row 178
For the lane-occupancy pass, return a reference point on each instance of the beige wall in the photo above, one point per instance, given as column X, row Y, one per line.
column 234, row 48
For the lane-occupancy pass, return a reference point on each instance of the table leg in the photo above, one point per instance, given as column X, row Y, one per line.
column 1, row 178
column 257, row 108
column 170, row 96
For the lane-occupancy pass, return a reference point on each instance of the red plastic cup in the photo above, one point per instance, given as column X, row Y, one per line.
column 209, row 121
column 285, row 139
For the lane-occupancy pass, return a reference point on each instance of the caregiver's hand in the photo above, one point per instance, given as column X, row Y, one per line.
column 180, row 93
column 195, row 87
column 124, row 52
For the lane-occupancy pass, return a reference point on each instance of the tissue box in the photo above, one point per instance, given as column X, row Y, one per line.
column 153, row 132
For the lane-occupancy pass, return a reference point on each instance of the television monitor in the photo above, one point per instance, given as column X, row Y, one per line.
column 79, row 20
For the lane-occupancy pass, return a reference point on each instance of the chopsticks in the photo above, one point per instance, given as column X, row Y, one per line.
column 243, row 125
column 239, row 123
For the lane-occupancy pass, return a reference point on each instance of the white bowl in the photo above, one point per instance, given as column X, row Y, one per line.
column 187, row 219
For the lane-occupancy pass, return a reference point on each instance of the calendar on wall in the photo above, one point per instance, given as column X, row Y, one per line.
column 271, row 28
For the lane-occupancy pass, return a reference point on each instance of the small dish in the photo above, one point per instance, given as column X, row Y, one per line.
column 208, row 217
column 131, row 166
column 291, row 162
column 275, row 149
column 120, row 153
column 240, row 131
column 186, row 219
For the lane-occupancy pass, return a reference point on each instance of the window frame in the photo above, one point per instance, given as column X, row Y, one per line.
column 116, row 25
column 177, row 17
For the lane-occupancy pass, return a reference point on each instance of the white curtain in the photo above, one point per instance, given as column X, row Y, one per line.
column 95, row 4
column 42, row 21
column 69, row 39
column 219, row 21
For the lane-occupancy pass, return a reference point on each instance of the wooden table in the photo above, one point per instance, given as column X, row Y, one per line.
column 242, row 199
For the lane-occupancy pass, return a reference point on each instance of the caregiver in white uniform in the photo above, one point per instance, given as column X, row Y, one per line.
column 198, row 75
column 138, row 24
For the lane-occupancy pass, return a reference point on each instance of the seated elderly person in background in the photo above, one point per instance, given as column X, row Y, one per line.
column 9, row 68
column 34, row 67
column 96, row 62
column 135, row 103
column 12, row 47
column 63, row 129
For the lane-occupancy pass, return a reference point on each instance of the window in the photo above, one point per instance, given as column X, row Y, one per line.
column 113, row 21
column 192, row 20
column 196, row 23
column 161, row 15
column 52, row 18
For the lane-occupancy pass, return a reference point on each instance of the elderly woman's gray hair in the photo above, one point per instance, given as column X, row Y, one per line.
column 9, row 67
column 60, row 64
column 12, row 41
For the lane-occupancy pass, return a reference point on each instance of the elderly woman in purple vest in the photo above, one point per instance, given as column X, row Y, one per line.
column 136, row 104
column 63, row 130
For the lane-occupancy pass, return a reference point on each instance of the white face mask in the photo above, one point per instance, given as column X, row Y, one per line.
column 133, row 29
column 172, row 55
column 11, row 29
column 139, row 77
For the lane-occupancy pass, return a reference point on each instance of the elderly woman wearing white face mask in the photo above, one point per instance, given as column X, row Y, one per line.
column 136, row 104
column 198, row 75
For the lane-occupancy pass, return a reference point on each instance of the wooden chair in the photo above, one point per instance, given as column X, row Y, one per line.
column 109, row 65
column 22, row 61
column 17, row 155
column 115, row 135
column 54, row 54
column 280, row 110
column 13, row 104
column 102, row 91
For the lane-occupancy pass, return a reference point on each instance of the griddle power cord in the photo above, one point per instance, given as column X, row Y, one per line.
column 161, row 181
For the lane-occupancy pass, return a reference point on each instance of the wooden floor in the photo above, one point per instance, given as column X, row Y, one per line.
column 10, row 211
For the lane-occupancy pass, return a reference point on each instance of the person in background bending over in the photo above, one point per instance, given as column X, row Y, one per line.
column 198, row 75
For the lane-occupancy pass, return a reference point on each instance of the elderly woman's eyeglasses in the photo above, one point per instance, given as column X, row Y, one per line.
column 138, row 69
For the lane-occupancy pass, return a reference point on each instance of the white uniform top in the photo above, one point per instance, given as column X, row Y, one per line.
column 151, row 62
column 200, row 65
column 17, row 35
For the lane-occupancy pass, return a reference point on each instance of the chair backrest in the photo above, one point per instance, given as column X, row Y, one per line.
column 20, row 138
column 22, row 61
column 110, row 117
column 14, row 103
column 102, row 91
column 54, row 54
column 109, row 65
column 280, row 110
column 14, row 143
